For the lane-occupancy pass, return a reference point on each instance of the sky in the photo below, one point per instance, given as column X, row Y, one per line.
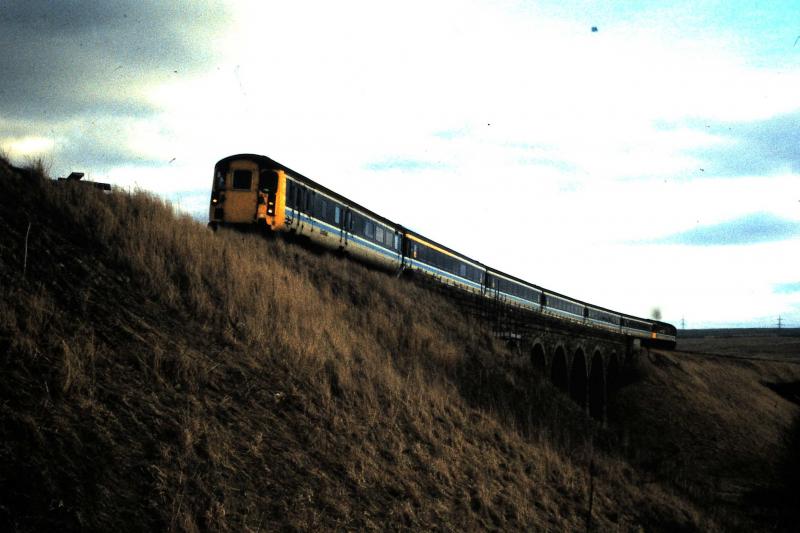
column 636, row 155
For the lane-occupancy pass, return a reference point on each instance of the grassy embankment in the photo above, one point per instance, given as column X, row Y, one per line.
column 724, row 429
column 158, row 376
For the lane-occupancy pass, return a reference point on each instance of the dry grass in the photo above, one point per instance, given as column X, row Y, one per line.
column 715, row 428
column 157, row 376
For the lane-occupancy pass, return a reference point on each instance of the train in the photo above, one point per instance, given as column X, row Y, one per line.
column 250, row 190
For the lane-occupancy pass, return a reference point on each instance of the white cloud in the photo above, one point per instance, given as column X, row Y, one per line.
column 28, row 146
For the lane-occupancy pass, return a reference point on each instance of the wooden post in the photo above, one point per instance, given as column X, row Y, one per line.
column 25, row 260
column 591, row 494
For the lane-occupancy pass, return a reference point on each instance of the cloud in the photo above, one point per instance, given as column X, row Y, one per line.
column 80, row 77
column 787, row 288
column 64, row 58
column 749, row 229
column 91, row 142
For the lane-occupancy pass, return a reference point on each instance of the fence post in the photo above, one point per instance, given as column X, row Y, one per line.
column 25, row 260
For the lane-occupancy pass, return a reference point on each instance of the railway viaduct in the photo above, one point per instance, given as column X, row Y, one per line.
column 583, row 362
column 588, row 368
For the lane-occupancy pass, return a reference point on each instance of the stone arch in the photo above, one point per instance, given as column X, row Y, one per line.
column 559, row 373
column 613, row 383
column 598, row 348
column 538, row 358
column 613, row 373
column 578, row 378
column 597, row 386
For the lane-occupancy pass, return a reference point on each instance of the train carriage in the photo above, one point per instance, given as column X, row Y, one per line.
column 446, row 265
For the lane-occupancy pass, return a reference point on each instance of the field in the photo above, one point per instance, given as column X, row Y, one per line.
column 157, row 376
column 767, row 343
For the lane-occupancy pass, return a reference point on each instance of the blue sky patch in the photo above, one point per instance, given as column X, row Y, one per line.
column 749, row 229
column 752, row 148
column 787, row 288
column 451, row 134
column 406, row 165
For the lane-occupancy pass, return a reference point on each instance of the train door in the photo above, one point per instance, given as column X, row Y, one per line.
column 241, row 196
column 494, row 286
column 347, row 225
column 292, row 191
column 397, row 240
column 341, row 217
column 305, row 201
column 271, row 189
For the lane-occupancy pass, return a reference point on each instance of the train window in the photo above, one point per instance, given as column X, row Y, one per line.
column 369, row 229
column 330, row 213
column 290, row 194
column 268, row 180
column 396, row 241
column 462, row 270
column 414, row 251
column 242, row 179
column 337, row 214
column 444, row 262
column 319, row 207
column 379, row 234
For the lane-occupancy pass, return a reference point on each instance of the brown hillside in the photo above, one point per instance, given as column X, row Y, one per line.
column 157, row 376
column 722, row 424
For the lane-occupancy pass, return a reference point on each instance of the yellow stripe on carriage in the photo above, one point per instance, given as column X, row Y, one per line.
column 429, row 245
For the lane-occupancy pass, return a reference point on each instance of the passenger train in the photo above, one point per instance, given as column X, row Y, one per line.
column 254, row 190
